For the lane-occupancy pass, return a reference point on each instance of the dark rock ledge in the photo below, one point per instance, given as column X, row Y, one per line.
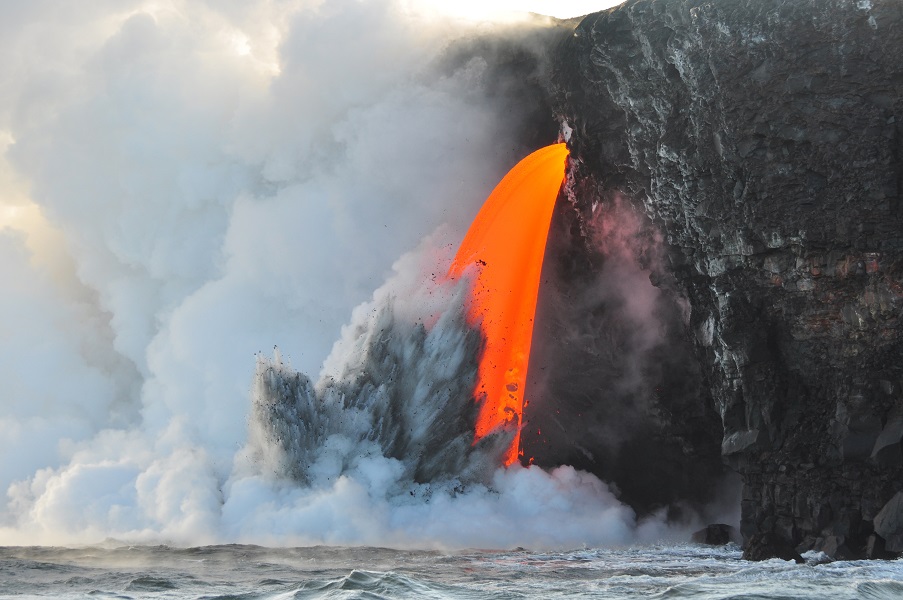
column 763, row 138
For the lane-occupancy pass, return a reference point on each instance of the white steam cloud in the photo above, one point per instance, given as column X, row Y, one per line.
column 186, row 183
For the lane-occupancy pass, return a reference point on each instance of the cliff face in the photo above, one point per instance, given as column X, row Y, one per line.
column 762, row 137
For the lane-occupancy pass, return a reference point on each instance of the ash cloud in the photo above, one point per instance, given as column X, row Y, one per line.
column 185, row 184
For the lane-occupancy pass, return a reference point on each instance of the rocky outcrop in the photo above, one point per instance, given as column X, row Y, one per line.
column 762, row 137
column 717, row 534
column 889, row 525
column 762, row 546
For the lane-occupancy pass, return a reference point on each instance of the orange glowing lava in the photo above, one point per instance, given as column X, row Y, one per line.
column 505, row 247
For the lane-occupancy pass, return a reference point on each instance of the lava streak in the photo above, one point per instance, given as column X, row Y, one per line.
column 502, row 253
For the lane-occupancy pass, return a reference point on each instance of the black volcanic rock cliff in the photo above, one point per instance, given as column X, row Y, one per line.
column 762, row 138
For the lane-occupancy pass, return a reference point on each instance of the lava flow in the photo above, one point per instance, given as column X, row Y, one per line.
column 504, row 247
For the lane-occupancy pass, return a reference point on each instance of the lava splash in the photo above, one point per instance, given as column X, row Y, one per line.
column 503, row 253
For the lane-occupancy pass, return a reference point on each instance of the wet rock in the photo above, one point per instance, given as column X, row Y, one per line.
column 887, row 448
column 717, row 534
column 875, row 548
column 763, row 140
column 835, row 547
column 889, row 523
column 764, row 546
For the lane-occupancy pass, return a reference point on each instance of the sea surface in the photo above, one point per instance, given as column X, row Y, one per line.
column 240, row 572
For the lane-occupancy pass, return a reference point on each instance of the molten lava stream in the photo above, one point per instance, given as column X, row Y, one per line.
column 502, row 253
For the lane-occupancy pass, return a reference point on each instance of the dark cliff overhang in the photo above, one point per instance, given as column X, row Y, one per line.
column 762, row 140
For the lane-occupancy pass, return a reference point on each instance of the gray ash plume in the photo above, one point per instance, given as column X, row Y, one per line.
column 404, row 391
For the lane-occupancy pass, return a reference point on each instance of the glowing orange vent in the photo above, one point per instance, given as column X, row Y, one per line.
column 505, row 245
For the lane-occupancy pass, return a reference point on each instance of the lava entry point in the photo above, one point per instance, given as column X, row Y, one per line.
column 502, row 255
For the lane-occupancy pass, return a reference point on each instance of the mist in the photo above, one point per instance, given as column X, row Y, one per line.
column 186, row 187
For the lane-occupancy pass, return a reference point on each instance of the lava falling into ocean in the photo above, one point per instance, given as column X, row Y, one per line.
column 264, row 193
column 503, row 252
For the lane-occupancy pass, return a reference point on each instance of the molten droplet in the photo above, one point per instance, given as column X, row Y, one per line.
column 503, row 252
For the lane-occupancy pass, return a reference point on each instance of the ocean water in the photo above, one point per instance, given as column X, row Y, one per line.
column 236, row 571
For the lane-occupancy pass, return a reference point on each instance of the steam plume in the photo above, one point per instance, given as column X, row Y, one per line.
column 186, row 184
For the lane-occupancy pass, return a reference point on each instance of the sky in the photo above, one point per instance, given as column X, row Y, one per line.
column 510, row 9
column 186, row 185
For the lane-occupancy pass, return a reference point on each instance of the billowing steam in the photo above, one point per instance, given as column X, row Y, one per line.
column 185, row 184
column 402, row 390
column 381, row 450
